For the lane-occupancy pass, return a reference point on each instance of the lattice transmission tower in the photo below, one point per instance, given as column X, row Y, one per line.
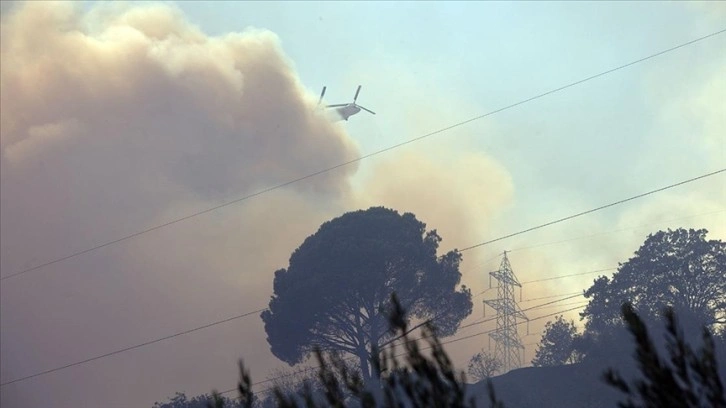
column 507, row 341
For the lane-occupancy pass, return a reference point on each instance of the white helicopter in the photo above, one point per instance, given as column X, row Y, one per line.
column 346, row 110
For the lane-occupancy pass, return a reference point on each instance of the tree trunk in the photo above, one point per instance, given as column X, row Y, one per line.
column 371, row 379
column 364, row 367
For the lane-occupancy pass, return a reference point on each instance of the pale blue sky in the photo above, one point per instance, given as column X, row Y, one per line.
column 480, row 56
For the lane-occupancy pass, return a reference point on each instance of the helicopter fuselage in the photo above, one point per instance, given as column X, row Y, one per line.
column 344, row 110
column 347, row 111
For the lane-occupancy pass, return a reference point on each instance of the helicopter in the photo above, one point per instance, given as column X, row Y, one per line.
column 346, row 110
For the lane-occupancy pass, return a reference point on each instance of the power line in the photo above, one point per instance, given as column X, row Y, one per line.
column 568, row 296
column 483, row 291
column 551, row 296
column 594, row 209
column 489, row 319
column 614, row 231
column 360, row 158
column 551, row 302
column 574, row 239
column 531, row 320
column 554, row 278
column 570, row 275
column 260, row 310
column 480, row 264
column 419, row 338
column 579, row 302
column 226, row 320
column 112, row 353
column 263, row 309
column 398, row 355
column 146, row 343
column 171, row 336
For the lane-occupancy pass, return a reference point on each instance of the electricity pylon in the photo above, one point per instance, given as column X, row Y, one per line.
column 507, row 342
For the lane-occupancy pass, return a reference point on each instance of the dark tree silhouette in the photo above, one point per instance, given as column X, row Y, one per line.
column 687, row 379
column 180, row 400
column 675, row 268
column 557, row 346
column 425, row 377
column 288, row 383
column 335, row 294
column 483, row 365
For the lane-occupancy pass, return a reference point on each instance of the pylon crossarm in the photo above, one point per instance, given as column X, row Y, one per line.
column 505, row 277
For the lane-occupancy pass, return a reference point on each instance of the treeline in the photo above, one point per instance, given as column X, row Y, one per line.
column 335, row 296
column 682, row 377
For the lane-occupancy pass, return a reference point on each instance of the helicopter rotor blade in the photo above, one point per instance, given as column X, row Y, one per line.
column 366, row 109
column 321, row 95
column 356, row 94
column 337, row 105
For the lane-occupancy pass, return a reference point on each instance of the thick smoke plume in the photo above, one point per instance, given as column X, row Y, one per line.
column 131, row 111
column 124, row 117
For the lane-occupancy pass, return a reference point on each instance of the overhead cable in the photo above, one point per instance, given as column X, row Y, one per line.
column 602, row 207
column 360, row 158
column 272, row 379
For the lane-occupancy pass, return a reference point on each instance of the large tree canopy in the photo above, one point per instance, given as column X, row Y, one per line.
column 336, row 290
column 677, row 268
column 557, row 344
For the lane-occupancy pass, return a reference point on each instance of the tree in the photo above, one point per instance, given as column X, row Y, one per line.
column 180, row 400
column 291, row 386
column 418, row 380
column 483, row 365
column 557, row 346
column 335, row 293
column 675, row 268
column 287, row 383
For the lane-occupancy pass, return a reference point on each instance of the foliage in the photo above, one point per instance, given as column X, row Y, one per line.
column 293, row 384
column 180, row 400
column 690, row 380
column 681, row 263
column 419, row 380
column 483, row 365
column 675, row 268
column 335, row 293
column 557, row 346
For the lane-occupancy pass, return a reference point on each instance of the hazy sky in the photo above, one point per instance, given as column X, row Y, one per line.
column 119, row 117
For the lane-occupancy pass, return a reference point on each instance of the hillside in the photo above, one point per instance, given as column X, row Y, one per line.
column 575, row 385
